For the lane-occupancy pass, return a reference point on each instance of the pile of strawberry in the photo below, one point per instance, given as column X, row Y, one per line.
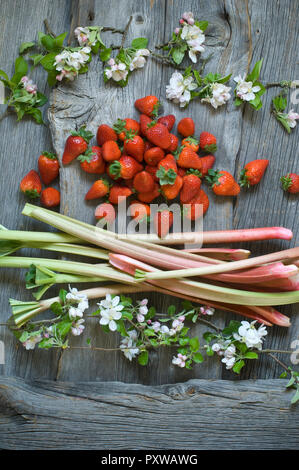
column 146, row 159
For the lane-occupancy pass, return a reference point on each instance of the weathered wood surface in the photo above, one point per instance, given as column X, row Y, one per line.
column 239, row 32
column 198, row 414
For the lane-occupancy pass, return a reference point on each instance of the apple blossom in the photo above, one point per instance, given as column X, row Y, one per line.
column 219, row 95
column 128, row 345
column 245, row 90
column 292, row 118
column 78, row 327
column 180, row 360
column 248, row 334
column 31, row 342
column 138, row 60
column 194, row 37
column 110, row 310
column 179, row 88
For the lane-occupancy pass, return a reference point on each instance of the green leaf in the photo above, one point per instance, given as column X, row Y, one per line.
column 36, row 114
column 151, row 313
column 209, row 351
column 194, row 344
column 62, row 295
column 63, row 327
column 283, row 375
column 295, row 397
column 238, row 366
column 143, row 358
column 178, row 53
column 36, row 58
column 183, row 341
column 60, row 39
column 197, row 357
column 46, row 343
column 203, row 25
column 197, row 77
column 255, row 73
column 56, row 308
column 149, row 332
column 49, row 43
column 52, row 77
column 25, row 46
column 291, row 382
column 171, row 310
column 231, row 328
column 21, row 69
column 3, row 74
column 251, row 355
column 48, row 61
column 105, row 54
column 208, row 336
column 121, row 328
column 184, row 331
column 139, row 43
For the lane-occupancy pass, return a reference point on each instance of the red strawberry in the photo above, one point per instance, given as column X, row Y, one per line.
column 105, row 210
column 186, row 127
column 171, row 191
column 191, row 210
column 139, row 210
column 191, row 142
column 144, row 122
column 223, row 183
column 123, row 125
column 191, row 186
column 118, row 193
column 187, row 158
column 163, row 220
column 152, row 170
column 153, row 156
column 167, row 121
column 151, row 195
column 143, row 182
column 105, row 133
column 31, row 185
column 48, row 167
column 174, row 142
column 111, row 151
column 208, row 142
column 92, row 161
column 253, row 172
column 134, row 146
column 148, row 105
column 75, row 145
column 50, row 197
column 99, row 189
column 168, row 162
column 158, row 135
column 290, row 183
column 166, row 177
column 126, row 167
column 207, row 163
column 148, row 145
column 182, row 172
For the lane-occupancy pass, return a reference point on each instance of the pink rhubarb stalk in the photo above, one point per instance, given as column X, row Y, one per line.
column 224, row 254
column 247, row 235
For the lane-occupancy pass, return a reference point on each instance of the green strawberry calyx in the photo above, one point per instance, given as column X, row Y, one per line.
column 82, row 132
column 166, row 176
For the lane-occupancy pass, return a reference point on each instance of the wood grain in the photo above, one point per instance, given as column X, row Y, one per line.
column 198, row 414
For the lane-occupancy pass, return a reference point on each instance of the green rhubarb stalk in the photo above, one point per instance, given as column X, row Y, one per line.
column 43, row 237
column 71, row 267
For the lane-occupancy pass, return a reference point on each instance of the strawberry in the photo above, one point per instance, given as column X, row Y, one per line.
column 187, row 158
column 124, row 125
column 166, row 176
column 223, row 183
column 208, row 142
column 186, row 127
column 253, row 172
column 126, row 167
column 75, row 145
column 152, row 170
column 50, row 197
column 134, row 146
column 158, row 135
column 168, row 162
column 144, row 122
column 290, row 183
column 191, row 185
column 148, row 105
column 151, row 195
column 207, row 163
column 163, row 221
column 92, row 161
column 139, row 210
column 182, row 172
column 153, row 156
column 99, row 189
column 111, row 151
column 167, row 121
column 105, row 133
column 31, row 185
column 118, row 193
column 147, row 146
column 171, row 191
column 105, row 211
column 143, row 182
column 48, row 167
column 191, row 143
column 192, row 211
column 174, row 142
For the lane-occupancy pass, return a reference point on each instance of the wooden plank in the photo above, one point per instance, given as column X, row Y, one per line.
column 21, row 144
column 198, row 414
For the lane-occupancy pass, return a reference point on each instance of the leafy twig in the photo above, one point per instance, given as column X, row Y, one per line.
column 48, row 29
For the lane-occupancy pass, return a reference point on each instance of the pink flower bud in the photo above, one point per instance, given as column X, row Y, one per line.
column 176, row 31
column 181, row 318
column 182, row 21
column 149, row 322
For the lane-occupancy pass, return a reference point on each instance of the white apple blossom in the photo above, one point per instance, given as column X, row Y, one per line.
column 179, row 360
column 229, row 356
column 139, row 60
column 128, row 345
column 248, row 334
column 219, row 95
column 194, row 37
column 69, row 63
column 216, row 347
column 292, row 118
column 245, row 90
column 229, row 362
column 82, row 35
column 75, row 313
column 78, row 327
column 179, row 88
column 207, row 310
column 29, row 86
column 116, row 71
column 110, row 310
column 156, row 326
column 31, row 342
column 74, row 296
column 189, row 17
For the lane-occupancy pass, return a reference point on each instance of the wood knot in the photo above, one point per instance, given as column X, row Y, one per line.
column 139, row 19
